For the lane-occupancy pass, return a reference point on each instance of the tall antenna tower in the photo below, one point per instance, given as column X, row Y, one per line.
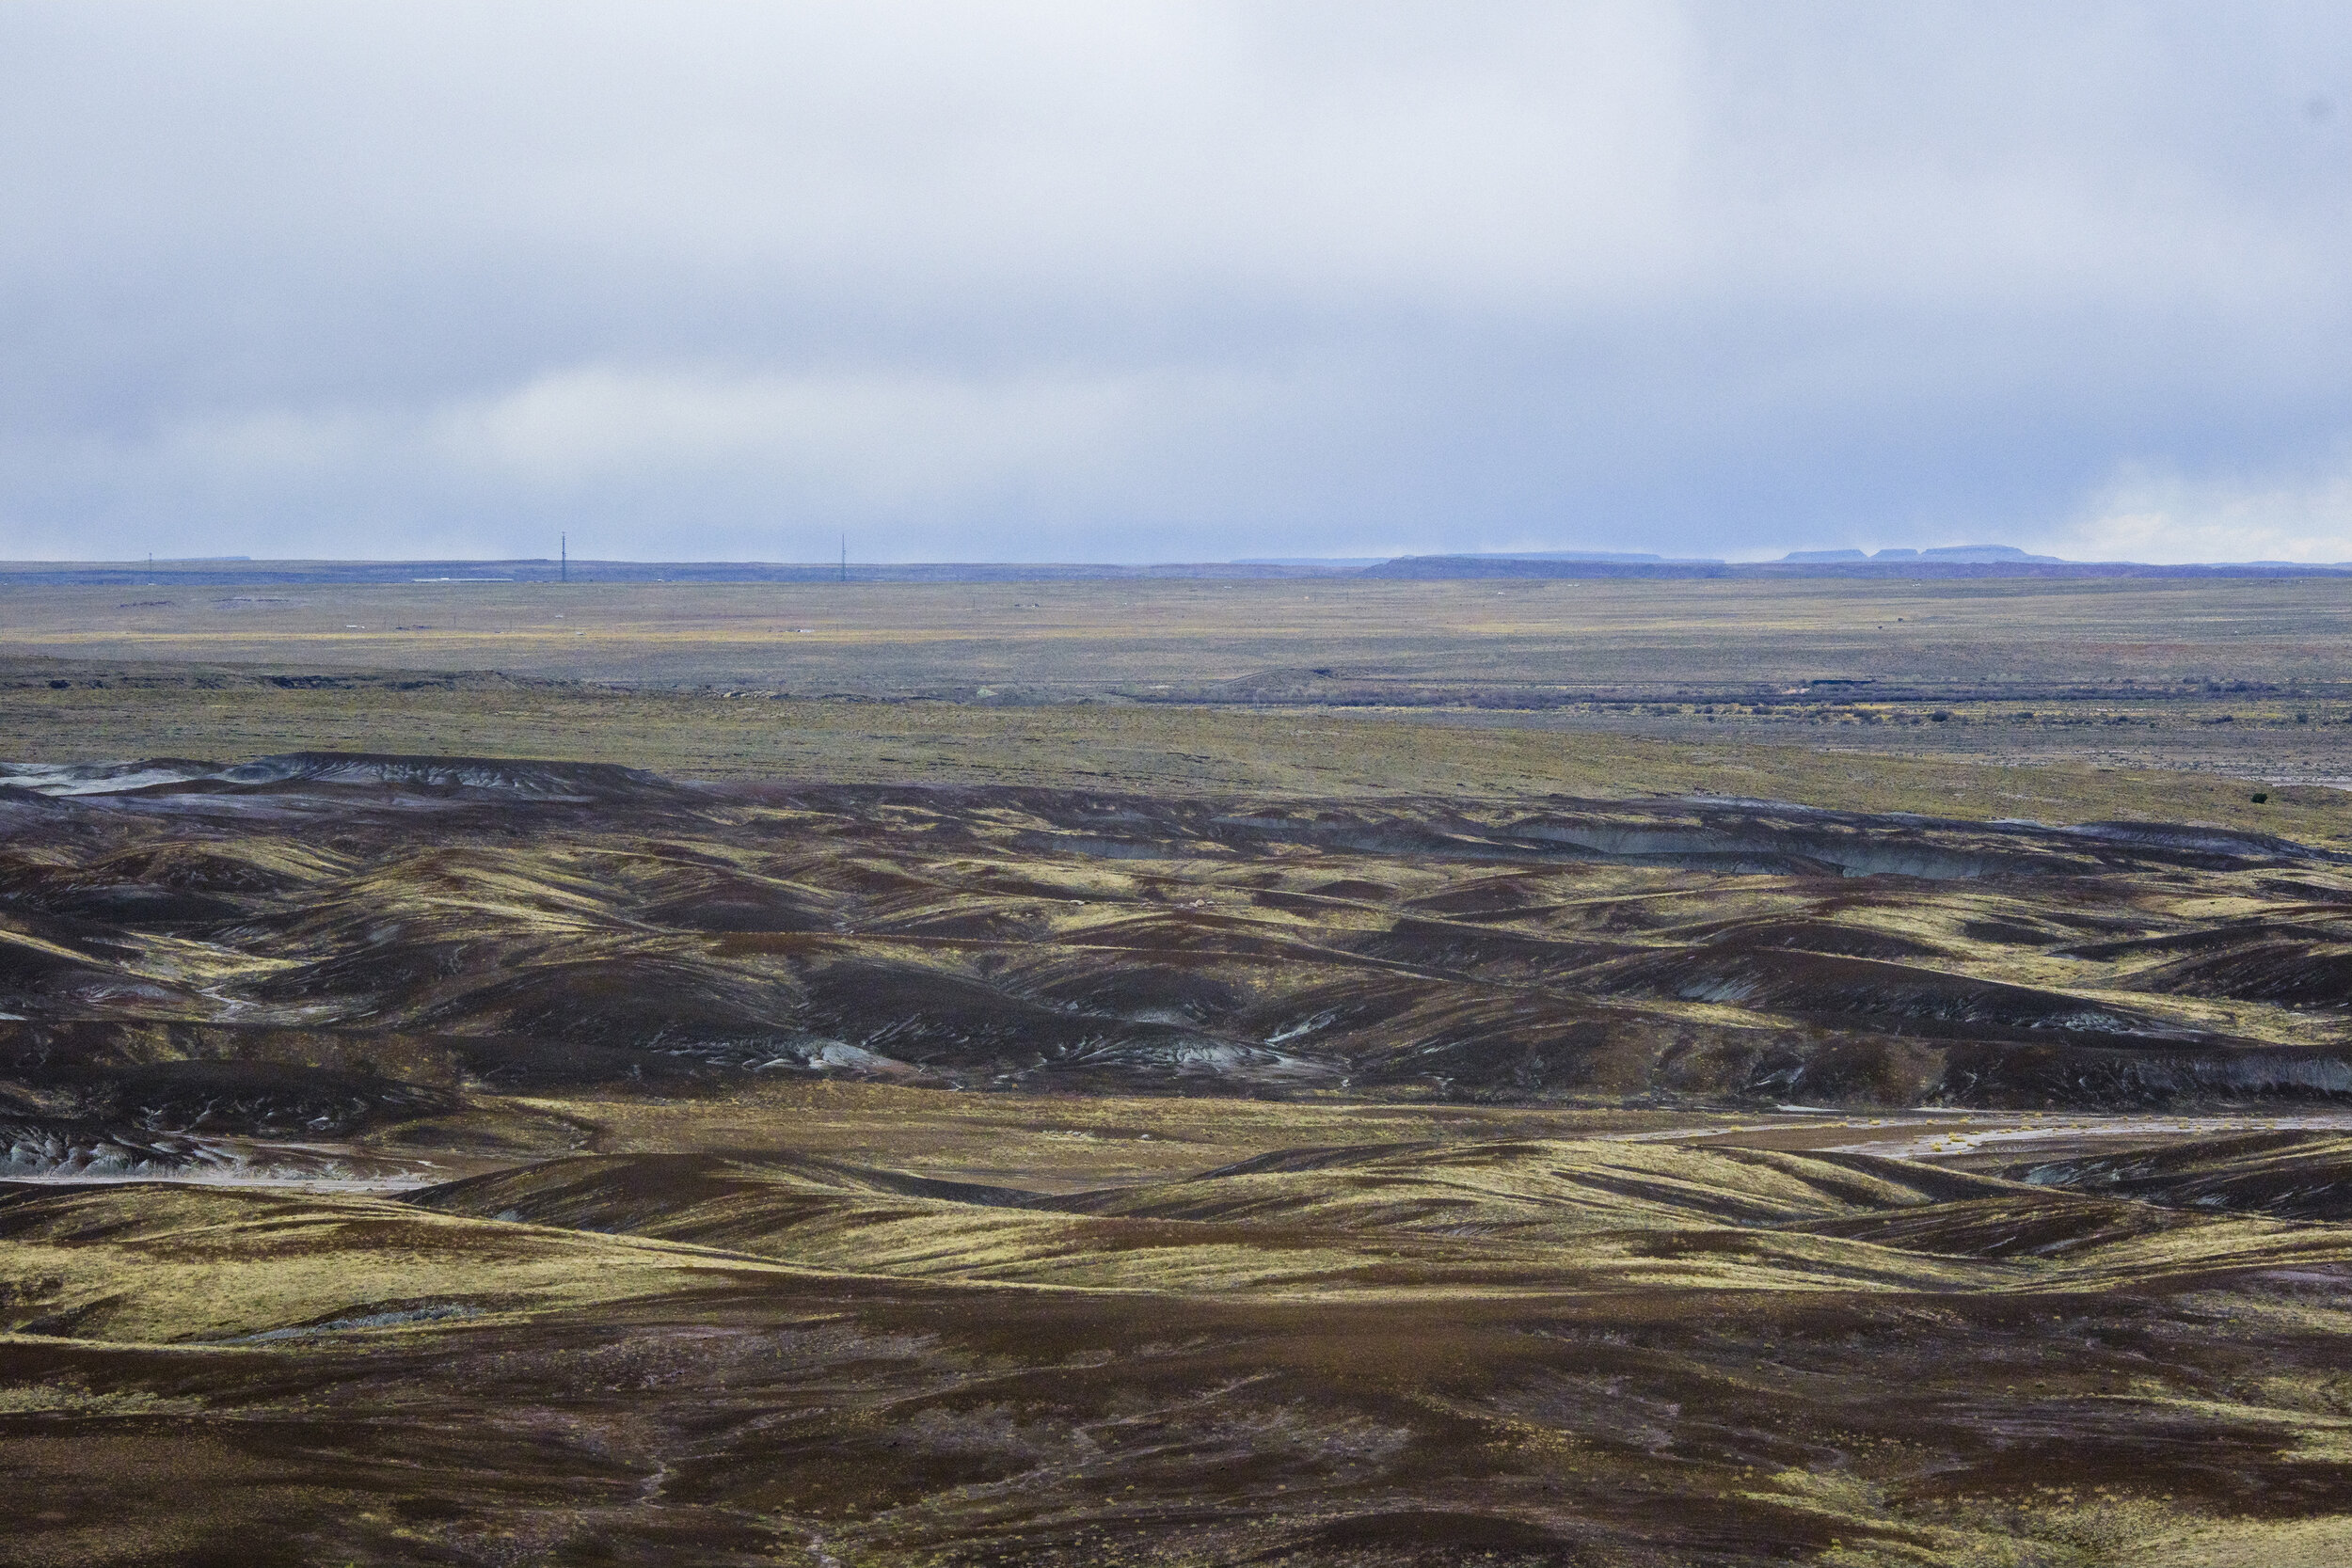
column 564, row 557
column 845, row 558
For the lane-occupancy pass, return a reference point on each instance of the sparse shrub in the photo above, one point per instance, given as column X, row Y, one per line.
column 1941, row 716
column 2259, row 797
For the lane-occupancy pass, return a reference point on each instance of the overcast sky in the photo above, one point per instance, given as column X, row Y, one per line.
column 1158, row 281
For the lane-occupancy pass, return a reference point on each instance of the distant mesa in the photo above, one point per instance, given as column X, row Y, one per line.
column 1942, row 560
column 1964, row 554
column 1626, row 557
column 1332, row 562
column 1978, row 553
column 1549, row 563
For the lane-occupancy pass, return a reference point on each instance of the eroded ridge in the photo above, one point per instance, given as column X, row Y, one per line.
column 314, row 948
column 571, row 1165
column 1546, row 1350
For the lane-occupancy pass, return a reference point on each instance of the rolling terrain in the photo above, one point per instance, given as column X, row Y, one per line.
column 1521, row 1352
column 307, row 950
column 482, row 1161
column 1066, row 1133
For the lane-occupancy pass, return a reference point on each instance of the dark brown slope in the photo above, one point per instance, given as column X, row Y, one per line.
column 1606, row 1354
column 803, row 1423
column 382, row 932
column 2301, row 1175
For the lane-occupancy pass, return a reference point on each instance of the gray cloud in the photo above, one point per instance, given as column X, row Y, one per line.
column 1156, row 281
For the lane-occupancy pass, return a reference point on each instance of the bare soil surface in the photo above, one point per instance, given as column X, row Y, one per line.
column 326, row 945
column 482, row 1161
column 1532, row 1351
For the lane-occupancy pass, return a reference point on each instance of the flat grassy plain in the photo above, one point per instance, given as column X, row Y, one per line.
column 1754, row 688
column 112, row 712
column 1340, row 638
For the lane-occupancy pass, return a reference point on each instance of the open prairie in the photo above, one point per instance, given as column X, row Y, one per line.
column 1128, row 1076
column 2244, row 677
column 1338, row 637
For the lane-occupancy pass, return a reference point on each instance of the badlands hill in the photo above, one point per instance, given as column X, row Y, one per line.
column 319, row 945
column 478, row 1162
